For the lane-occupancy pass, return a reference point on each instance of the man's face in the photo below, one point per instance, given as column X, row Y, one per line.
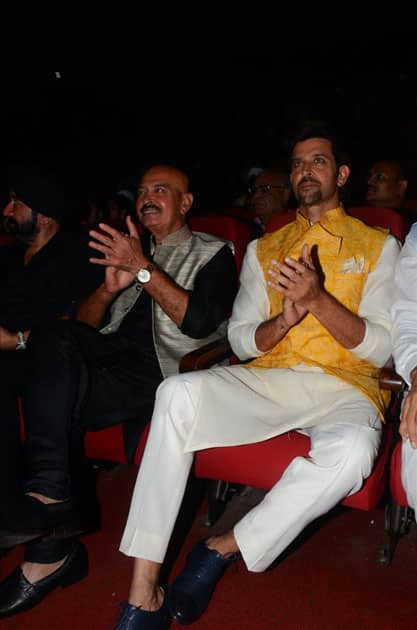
column 314, row 175
column 163, row 200
column 268, row 195
column 386, row 188
column 18, row 218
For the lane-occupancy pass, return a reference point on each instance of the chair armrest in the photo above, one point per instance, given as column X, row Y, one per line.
column 206, row 356
column 389, row 379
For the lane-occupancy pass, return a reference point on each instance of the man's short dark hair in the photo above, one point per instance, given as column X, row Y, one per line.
column 319, row 129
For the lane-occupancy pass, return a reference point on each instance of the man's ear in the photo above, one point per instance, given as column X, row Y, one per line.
column 45, row 220
column 187, row 202
column 42, row 218
column 343, row 175
column 403, row 186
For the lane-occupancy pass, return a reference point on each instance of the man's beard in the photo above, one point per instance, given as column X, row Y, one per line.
column 25, row 231
column 309, row 198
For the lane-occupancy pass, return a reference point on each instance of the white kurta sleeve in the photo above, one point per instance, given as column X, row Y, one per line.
column 404, row 309
column 375, row 307
column 251, row 307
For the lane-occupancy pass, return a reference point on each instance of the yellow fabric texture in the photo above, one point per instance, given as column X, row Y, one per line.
column 347, row 250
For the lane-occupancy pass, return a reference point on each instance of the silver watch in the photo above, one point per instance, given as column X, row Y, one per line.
column 21, row 342
column 144, row 274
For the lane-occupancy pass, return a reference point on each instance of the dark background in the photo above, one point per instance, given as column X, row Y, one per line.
column 214, row 88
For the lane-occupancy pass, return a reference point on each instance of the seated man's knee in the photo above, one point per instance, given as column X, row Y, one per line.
column 177, row 396
column 360, row 451
column 351, row 448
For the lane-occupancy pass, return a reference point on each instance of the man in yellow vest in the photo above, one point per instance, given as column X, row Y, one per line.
column 313, row 315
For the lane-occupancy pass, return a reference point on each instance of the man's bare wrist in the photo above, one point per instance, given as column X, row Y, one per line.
column 413, row 377
column 282, row 324
column 106, row 295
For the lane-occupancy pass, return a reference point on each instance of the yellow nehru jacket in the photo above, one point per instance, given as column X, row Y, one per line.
column 347, row 251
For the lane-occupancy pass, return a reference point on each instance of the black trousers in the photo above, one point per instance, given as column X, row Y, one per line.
column 71, row 379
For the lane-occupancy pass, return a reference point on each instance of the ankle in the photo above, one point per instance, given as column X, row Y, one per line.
column 225, row 545
column 42, row 498
column 146, row 598
column 35, row 571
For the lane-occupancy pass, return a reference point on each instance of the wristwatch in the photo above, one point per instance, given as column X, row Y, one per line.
column 144, row 274
column 21, row 342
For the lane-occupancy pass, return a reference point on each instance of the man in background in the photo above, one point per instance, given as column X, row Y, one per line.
column 268, row 195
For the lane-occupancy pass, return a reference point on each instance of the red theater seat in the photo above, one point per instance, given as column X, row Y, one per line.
column 382, row 217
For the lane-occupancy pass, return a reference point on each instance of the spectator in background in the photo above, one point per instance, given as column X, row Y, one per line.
column 121, row 204
column 387, row 185
column 268, row 195
column 246, row 181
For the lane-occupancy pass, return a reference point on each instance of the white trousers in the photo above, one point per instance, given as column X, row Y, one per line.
column 341, row 456
column 409, row 472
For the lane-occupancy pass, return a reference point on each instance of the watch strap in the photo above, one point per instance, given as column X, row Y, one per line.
column 21, row 341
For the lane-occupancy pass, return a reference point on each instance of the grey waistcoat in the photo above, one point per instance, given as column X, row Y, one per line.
column 181, row 256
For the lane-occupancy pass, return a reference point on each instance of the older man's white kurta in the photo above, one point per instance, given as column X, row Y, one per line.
column 237, row 405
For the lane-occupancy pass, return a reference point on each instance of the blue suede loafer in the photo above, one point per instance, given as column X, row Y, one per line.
column 134, row 618
column 191, row 591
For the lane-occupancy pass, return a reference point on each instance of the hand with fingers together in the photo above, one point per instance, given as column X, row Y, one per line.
column 123, row 254
column 297, row 280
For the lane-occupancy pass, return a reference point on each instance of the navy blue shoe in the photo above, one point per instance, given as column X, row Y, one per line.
column 134, row 618
column 191, row 591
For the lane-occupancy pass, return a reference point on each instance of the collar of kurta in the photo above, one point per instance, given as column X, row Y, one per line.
column 176, row 238
column 328, row 220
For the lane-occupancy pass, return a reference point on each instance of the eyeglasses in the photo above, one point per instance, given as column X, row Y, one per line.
column 264, row 188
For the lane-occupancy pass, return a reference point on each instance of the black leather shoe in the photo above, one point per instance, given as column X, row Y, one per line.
column 133, row 618
column 17, row 594
column 191, row 591
column 32, row 519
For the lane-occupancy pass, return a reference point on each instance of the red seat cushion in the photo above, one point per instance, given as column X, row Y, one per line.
column 106, row 444
column 262, row 464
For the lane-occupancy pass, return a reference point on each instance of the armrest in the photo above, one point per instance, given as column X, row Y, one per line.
column 206, row 356
column 389, row 379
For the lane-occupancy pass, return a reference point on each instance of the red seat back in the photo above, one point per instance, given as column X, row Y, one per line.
column 382, row 217
column 277, row 221
column 229, row 228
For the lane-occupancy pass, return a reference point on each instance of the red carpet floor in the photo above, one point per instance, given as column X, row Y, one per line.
column 330, row 581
